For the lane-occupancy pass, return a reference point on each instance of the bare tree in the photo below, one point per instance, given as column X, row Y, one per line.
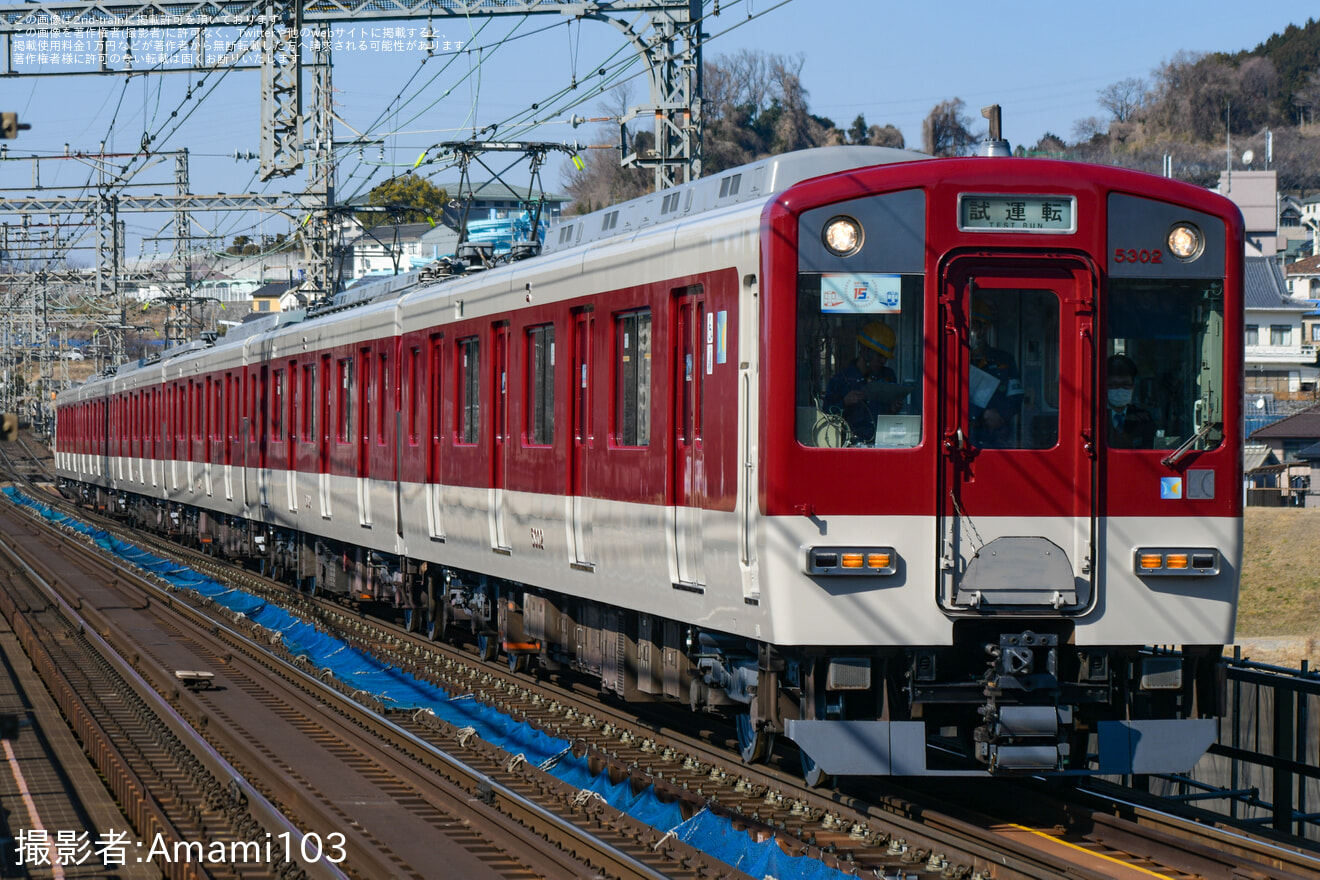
column 601, row 180
column 1257, row 93
column 1124, row 98
column 1307, row 99
column 947, row 130
column 795, row 128
column 1087, row 129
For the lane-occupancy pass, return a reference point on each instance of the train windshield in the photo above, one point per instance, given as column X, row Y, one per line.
column 859, row 360
column 1163, row 374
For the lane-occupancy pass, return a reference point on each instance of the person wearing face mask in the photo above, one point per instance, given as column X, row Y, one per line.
column 1130, row 426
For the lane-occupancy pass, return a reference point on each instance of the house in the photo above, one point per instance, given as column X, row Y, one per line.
column 1304, row 279
column 1280, row 475
column 278, row 296
column 387, row 249
column 493, row 200
column 1293, row 234
column 1280, row 358
column 1287, row 437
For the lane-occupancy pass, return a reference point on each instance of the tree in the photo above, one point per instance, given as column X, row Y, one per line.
column 601, row 180
column 1124, row 98
column 408, row 198
column 1049, row 144
column 858, row 132
column 1306, row 100
column 1088, row 129
column 947, row 130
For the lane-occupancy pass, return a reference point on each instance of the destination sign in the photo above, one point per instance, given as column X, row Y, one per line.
column 1017, row 213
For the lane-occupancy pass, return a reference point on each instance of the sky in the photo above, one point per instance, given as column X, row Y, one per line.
column 1045, row 63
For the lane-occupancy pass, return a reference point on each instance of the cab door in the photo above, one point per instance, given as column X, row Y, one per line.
column 1017, row 435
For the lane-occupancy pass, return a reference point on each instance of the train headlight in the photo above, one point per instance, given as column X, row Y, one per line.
column 842, row 236
column 1176, row 561
column 1186, row 242
column 850, row 560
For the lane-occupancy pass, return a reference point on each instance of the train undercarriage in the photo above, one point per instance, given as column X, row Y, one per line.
column 1012, row 695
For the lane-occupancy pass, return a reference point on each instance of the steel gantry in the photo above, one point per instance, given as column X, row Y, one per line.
column 666, row 33
column 293, row 43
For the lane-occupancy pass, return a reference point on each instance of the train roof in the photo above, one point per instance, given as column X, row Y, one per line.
column 746, row 183
column 751, row 183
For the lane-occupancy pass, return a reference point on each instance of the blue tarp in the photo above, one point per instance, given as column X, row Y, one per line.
column 395, row 688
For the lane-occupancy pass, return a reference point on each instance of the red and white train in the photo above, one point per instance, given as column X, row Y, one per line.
column 666, row 453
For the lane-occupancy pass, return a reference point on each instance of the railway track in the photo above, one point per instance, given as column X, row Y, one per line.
column 889, row 835
column 346, row 776
column 856, row 833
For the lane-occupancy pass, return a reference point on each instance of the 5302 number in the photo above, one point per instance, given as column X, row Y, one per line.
column 1132, row 255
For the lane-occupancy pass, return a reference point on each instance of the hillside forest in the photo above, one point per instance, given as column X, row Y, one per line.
column 1188, row 109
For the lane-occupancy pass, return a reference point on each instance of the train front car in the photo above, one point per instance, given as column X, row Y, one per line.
column 1004, row 458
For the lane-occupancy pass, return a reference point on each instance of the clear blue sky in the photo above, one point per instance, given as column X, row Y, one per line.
column 1043, row 62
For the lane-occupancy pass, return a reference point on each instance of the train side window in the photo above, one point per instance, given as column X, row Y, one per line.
column 541, row 385
column 252, row 408
column 437, row 385
column 469, row 389
column 277, row 407
column 632, row 377
column 309, row 402
column 345, row 400
column 413, row 391
column 1170, row 335
column 218, row 419
column 382, row 396
column 859, row 356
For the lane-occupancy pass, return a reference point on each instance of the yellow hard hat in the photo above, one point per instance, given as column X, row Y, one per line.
column 878, row 336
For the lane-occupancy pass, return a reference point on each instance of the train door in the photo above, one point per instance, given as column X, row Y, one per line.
column 499, row 434
column 579, row 514
column 262, row 420
column 365, row 398
column 435, row 382
column 1017, row 481
column 290, row 419
column 208, row 414
column 689, row 476
column 247, row 434
column 233, row 389
column 322, row 435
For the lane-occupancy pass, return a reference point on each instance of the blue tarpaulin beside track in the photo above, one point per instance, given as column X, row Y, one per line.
column 395, row 688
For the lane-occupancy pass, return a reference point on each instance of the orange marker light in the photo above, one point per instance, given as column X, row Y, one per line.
column 852, row 560
column 877, row 560
column 1176, row 560
column 1151, row 560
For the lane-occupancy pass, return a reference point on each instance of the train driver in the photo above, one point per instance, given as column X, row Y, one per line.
column 1130, row 426
column 995, row 386
column 847, row 392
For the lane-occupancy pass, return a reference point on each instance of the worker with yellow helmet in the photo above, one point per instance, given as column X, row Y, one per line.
column 846, row 392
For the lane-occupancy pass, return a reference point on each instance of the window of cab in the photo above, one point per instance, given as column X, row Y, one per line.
column 1163, row 375
column 859, row 352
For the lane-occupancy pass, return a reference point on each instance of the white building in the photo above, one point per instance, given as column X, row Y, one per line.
column 1280, row 358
